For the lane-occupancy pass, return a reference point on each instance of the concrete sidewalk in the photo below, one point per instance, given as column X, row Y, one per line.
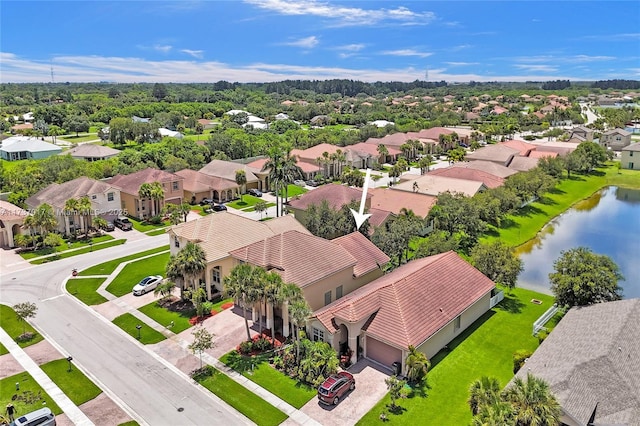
column 70, row 409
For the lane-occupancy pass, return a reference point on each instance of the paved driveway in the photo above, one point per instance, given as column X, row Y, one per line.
column 370, row 389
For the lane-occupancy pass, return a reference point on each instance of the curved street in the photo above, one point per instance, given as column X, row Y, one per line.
column 151, row 389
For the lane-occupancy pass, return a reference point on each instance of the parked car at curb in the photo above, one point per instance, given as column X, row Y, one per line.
column 108, row 227
column 206, row 201
column 300, row 183
column 123, row 223
column 218, row 207
column 255, row 192
column 312, row 183
column 335, row 387
column 147, row 284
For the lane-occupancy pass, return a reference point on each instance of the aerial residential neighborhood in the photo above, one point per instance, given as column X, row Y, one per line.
column 402, row 224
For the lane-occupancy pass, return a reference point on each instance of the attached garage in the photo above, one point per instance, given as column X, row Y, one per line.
column 382, row 353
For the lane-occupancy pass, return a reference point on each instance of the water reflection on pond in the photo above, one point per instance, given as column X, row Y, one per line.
column 608, row 223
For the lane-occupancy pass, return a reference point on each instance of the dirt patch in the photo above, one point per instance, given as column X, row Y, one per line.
column 175, row 304
column 42, row 352
column 103, row 411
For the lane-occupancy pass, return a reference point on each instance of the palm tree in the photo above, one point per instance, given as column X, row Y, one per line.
column 290, row 171
column 193, row 263
column 54, row 132
column 174, row 272
column 274, row 293
column 156, row 195
column 239, row 285
column 424, row 163
column 241, row 180
column 144, row 192
column 45, row 219
column 274, row 165
column 71, row 208
column 299, row 311
column 483, row 392
column 84, row 208
column 383, row 152
column 497, row 414
column 417, row 365
column 99, row 222
column 533, row 402
column 29, row 222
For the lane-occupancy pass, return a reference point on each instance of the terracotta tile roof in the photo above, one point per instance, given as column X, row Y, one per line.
column 523, row 147
column 91, row 150
column 489, row 180
column 199, row 182
column 10, row 211
column 227, row 170
column 496, row 152
column 487, row 167
column 367, row 255
column 522, row 164
column 377, row 218
column 57, row 194
column 370, row 149
column 591, row 359
column 312, row 153
column 433, row 185
column 434, row 132
column 540, row 154
column 300, row 258
column 222, row 232
column 130, row 183
column 336, row 195
column 393, row 201
column 412, row 302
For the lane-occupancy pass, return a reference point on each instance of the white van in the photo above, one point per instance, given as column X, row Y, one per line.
column 41, row 417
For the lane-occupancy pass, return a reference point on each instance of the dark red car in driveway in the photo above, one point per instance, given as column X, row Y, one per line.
column 335, row 387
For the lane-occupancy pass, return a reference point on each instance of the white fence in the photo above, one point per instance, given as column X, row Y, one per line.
column 496, row 299
column 540, row 322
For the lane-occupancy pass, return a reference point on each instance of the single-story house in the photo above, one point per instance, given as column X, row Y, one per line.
column 490, row 167
column 561, row 148
column 615, row 139
column 197, row 186
column 256, row 178
column 91, row 152
column 130, row 184
column 25, row 148
column 219, row 234
column 630, row 156
column 523, row 164
column 433, row 185
column 105, row 201
column 590, row 361
column 365, row 155
column 167, row 133
column 309, row 170
column 489, row 180
column 499, row 154
column 425, row 303
column 11, row 219
column 524, row 148
column 387, row 199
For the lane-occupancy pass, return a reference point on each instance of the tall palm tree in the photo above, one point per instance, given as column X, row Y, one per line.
column 45, row 219
column 299, row 311
column 483, row 392
column 497, row 414
column 174, row 272
column 239, row 285
column 274, row 293
column 274, row 166
column 241, row 180
column 144, row 192
column 533, row 402
column 383, row 152
column 71, row 208
column 290, row 171
column 156, row 195
column 417, row 365
column 193, row 263
column 84, row 208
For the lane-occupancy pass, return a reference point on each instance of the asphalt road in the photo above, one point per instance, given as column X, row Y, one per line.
column 151, row 389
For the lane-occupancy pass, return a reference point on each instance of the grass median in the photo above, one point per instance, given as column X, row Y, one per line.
column 106, row 268
column 29, row 397
column 133, row 272
column 65, row 254
column 78, row 387
column 129, row 324
column 15, row 327
column 86, row 290
column 64, row 247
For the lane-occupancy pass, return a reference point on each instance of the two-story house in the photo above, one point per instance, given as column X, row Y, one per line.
column 630, row 157
column 615, row 139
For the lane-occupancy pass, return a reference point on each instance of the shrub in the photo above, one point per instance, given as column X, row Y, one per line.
column 201, row 373
column 519, row 358
column 25, row 337
column 155, row 220
column 262, row 344
column 245, row 347
column 542, row 334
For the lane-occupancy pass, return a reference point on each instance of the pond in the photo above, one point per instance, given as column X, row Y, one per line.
column 608, row 223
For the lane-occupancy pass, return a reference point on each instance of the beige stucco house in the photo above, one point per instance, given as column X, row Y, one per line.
column 11, row 219
column 198, row 186
column 615, row 139
column 226, row 170
column 425, row 303
column 630, row 157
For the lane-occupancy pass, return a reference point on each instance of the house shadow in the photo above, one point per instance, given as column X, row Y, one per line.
column 363, row 363
column 510, row 304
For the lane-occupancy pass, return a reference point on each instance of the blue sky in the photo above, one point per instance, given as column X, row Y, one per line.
column 273, row 40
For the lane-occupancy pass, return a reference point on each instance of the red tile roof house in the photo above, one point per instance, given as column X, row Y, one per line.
column 425, row 303
column 500, row 154
column 256, row 178
column 489, row 180
column 198, row 186
column 11, row 219
column 106, row 201
column 324, row 270
column 129, row 186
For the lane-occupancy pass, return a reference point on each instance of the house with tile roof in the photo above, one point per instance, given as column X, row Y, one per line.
column 26, row 148
column 630, row 157
column 492, row 168
column 489, row 180
column 425, row 303
column 523, row 164
column 91, row 152
column 590, row 361
column 581, row 133
column 431, row 184
column 129, row 186
column 197, row 186
column 387, row 199
column 497, row 153
column 325, row 270
column 221, row 233
column 105, row 200
column 11, row 219
column 524, row 148
column 615, row 139
column 256, row 178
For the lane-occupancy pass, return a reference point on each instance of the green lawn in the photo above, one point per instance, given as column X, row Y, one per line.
column 130, row 423
column 164, row 316
column 65, row 254
column 29, row 398
column 50, row 250
column 135, row 271
column 3, row 350
column 148, row 335
column 85, row 290
column 253, row 208
column 242, row 399
column 528, row 221
column 486, row 348
column 259, row 371
column 247, row 201
column 107, row 268
column 144, row 226
column 78, row 387
column 82, row 137
column 14, row 327
column 294, row 190
column 156, row 232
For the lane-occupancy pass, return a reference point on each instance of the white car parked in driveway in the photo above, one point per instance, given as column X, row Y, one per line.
column 147, row 284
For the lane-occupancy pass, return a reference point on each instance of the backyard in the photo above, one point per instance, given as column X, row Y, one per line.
column 484, row 349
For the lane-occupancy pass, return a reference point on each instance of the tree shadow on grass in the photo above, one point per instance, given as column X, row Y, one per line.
column 507, row 224
column 528, row 211
column 546, row 201
column 511, row 304
column 242, row 363
column 557, row 191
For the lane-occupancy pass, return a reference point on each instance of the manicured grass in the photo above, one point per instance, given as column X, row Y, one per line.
column 218, row 305
column 65, row 254
column 247, row 201
column 85, row 290
column 148, row 335
column 78, row 387
column 50, row 250
column 484, row 349
column 528, row 221
column 143, row 226
column 3, row 350
column 253, row 208
column 156, row 232
column 130, row 423
column 28, row 386
column 107, row 268
column 259, row 371
column 82, row 137
column 14, row 327
column 164, row 316
column 242, row 399
column 135, row 271
column 294, row 190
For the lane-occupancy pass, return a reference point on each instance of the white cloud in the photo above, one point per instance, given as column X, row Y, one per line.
column 307, row 42
column 569, row 59
column 536, row 68
column 164, row 48
column 343, row 15
column 356, row 47
column 406, row 52
column 461, row 64
column 194, row 53
column 612, row 37
column 587, row 58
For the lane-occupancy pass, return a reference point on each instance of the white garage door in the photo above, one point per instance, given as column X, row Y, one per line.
column 382, row 353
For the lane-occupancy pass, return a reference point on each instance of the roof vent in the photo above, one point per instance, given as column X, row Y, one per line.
column 441, row 310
